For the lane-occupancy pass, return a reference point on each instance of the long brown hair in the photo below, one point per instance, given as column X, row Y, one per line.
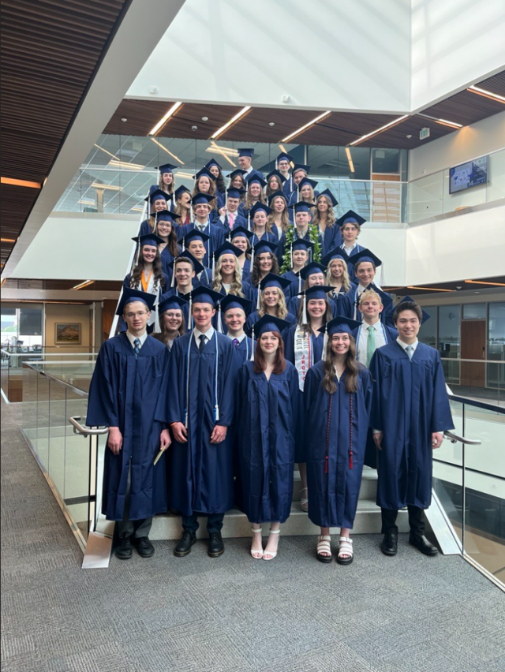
column 256, row 273
column 172, row 245
column 306, row 327
column 285, row 223
column 260, row 364
column 350, row 371
column 163, row 335
column 330, row 214
column 136, row 274
column 168, row 189
column 212, row 191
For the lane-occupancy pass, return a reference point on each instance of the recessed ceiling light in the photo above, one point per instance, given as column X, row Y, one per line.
column 271, row 123
column 124, row 119
column 205, row 118
column 408, row 136
column 476, row 292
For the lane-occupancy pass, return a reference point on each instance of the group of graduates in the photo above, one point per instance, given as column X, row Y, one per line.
column 254, row 335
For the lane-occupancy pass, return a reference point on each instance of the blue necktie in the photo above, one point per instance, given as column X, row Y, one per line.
column 136, row 348
column 410, row 351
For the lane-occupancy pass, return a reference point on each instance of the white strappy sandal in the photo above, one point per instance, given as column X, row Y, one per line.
column 345, row 549
column 272, row 554
column 324, row 546
column 257, row 555
column 304, row 502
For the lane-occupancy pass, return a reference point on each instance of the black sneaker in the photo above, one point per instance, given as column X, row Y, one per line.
column 124, row 549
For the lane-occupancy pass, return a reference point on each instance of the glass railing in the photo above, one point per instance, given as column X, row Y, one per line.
column 476, row 379
column 429, row 196
column 63, row 364
column 470, row 483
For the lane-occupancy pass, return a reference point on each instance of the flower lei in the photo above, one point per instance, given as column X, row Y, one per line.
column 313, row 232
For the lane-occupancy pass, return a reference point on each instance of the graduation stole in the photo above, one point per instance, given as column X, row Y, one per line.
column 304, row 355
column 216, row 372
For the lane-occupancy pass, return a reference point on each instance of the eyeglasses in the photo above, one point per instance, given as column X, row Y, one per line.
column 139, row 314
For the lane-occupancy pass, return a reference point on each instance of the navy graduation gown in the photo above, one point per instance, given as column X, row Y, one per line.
column 246, row 271
column 350, row 266
column 267, row 419
column 204, row 279
column 145, row 227
column 239, row 221
column 410, row 402
column 332, row 238
column 333, row 476
column 201, row 474
column 342, row 303
column 243, row 351
column 123, row 393
column 216, row 233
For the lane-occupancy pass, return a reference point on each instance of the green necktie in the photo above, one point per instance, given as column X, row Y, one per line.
column 370, row 345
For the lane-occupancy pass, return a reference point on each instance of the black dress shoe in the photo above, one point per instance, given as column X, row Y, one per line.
column 144, row 547
column 216, row 546
column 124, row 549
column 184, row 544
column 389, row 544
column 422, row 544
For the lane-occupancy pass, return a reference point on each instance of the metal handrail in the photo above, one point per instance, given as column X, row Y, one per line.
column 84, row 430
column 454, row 438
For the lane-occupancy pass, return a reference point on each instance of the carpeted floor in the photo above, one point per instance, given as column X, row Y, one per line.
column 231, row 614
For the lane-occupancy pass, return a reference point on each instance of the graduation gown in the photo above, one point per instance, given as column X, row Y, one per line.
column 201, row 474
column 246, row 271
column 216, row 233
column 409, row 403
column 239, row 221
column 350, row 266
column 342, row 302
column 333, row 477
column 332, row 238
column 123, row 393
column 145, row 227
column 243, row 351
column 267, row 419
column 158, row 291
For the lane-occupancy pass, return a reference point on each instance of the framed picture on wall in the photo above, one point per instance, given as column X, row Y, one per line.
column 67, row 333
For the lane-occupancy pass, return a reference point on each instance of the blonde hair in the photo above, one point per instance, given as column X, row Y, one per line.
column 330, row 215
column 167, row 189
column 285, row 223
column 312, row 200
column 236, row 284
column 282, row 309
column 212, row 191
column 346, row 280
column 370, row 294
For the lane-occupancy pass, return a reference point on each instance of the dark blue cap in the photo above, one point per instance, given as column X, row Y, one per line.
column 195, row 234
column 268, row 323
column 240, row 232
column 259, row 206
column 275, row 195
column 237, row 171
column 350, row 217
column 187, row 256
column 284, row 156
column 365, row 255
column 302, row 206
column 155, row 195
column 301, row 166
column 411, row 300
column 278, row 174
column 303, row 244
column 148, row 239
column 233, row 192
column 265, row 246
column 232, row 301
column 246, row 151
column 212, row 162
column 307, row 180
column 129, row 295
column 180, row 190
column 204, row 171
column 336, row 253
column 255, row 176
column 339, row 325
column 171, row 303
column 227, row 248
column 206, row 295
column 166, row 168
column 202, row 198
column 316, row 292
column 312, row 269
column 167, row 216
column 329, row 195
column 273, row 280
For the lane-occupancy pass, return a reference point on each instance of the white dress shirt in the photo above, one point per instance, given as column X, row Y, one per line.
column 132, row 338
column 406, row 345
column 239, row 338
column 363, row 339
column 208, row 335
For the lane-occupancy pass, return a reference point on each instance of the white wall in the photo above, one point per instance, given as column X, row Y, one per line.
column 79, row 246
column 349, row 55
column 454, row 44
column 478, row 139
column 461, row 247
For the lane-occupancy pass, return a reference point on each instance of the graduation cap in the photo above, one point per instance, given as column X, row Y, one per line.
column 155, row 195
column 365, row 255
column 255, row 176
column 180, row 190
column 302, row 244
column 202, row 198
column 315, row 292
column 166, row 168
column 234, row 192
column 409, row 299
column 301, row 166
column 284, row 156
column 195, row 234
column 302, row 206
column 246, row 151
column 167, row 216
column 129, row 295
column 329, row 195
column 148, row 239
column 231, row 301
column 259, row 206
column 275, row 195
column 264, row 324
column 240, row 232
column 186, row 256
column 307, row 180
column 204, row 171
column 227, row 248
column 312, row 269
column 278, row 174
column 173, row 302
column 339, row 325
column 336, row 253
column 237, row 171
column 273, row 280
column 205, row 295
column 350, row 217
column 265, row 246
column 211, row 163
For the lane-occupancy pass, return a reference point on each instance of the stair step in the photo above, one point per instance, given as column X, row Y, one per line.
column 368, row 484
column 236, row 524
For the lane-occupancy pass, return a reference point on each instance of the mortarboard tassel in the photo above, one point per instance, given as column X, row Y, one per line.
column 249, row 220
column 190, row 213
column 299, row 282
column 216, row 407
column 258, row 298
column 252, row 343
column 291, row 254
column 305, row 319
column 189, row 311
column 157, row 327
column 382, row 276
column 325, row 342
column 219, row 319
column 172, row 283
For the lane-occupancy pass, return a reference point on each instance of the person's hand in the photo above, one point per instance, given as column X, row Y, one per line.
column 436, row 439
column 222, row 211
column 180, row 432
column 115, row 440
column 377, row 437
column 165, row 439
column 218, row 434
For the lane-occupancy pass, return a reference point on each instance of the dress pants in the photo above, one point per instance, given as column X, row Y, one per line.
column 127, row 527
column 416, row 521
column 214, row 522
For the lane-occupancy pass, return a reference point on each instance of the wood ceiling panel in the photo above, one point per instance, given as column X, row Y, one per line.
column 495, row 84
column 396, row 136
column 465, row 108
column 254, row 127
column 50, row 50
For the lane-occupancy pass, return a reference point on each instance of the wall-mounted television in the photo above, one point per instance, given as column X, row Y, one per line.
column 468, row 175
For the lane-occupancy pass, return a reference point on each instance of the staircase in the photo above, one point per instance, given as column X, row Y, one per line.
column 368, row 518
